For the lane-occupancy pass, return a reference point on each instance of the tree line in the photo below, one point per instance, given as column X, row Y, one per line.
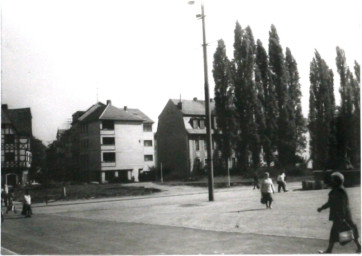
column 259, row 113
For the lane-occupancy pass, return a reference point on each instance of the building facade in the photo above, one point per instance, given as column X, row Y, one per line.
column 110, row 143
column 181, row 137
column 16, row 134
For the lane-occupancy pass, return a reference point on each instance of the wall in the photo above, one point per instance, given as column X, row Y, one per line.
column 128, row 146
column 172, row 143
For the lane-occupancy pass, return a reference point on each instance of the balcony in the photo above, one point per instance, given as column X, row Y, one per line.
column 107, row 132
column 108, row 164
column 108, row 147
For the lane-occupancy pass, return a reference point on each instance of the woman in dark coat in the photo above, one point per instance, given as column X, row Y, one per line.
column 339, row 212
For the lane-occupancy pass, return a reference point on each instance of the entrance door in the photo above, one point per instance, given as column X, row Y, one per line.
column 11, row 179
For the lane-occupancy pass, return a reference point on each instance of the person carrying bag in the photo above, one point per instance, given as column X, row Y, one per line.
column 343, row 229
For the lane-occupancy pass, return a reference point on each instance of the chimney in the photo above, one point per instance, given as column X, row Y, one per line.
column 125, row 108
column 195, row 99
column 109, row 102
column 4, row 106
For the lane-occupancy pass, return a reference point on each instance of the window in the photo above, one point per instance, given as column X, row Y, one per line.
column 9, row 157
column 9, row 139
column 148, row 158
column 194, row 124
column 147, row 143
column 108, row 141
column 205, row 144
column 109, row 157
column 197, row 145
column 107, row 125
column 147, row 127
column 202, row 124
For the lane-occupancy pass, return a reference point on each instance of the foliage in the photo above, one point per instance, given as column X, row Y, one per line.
column 321, row 114
column 349, row 114
column 223, row 104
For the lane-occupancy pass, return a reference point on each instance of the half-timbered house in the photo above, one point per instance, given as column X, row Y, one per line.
column 16, row 134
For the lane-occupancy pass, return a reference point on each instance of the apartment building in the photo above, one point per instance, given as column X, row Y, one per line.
column 111, row 143
column 181, row 137
column 16, row 134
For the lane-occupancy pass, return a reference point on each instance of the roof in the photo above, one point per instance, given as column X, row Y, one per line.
column 93, row 113
column 4, row 118
column 113, row 113
column 20, row 118
column 140, row 114
column 193, row 107
column 100, row 111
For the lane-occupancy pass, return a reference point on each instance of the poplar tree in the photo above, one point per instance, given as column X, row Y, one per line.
column 278, row 77
column 346, row 133
column 245, row 98
column 357, row 117
column 268, row 104
column 321, row 113
column 298, row 140
column 223, row 111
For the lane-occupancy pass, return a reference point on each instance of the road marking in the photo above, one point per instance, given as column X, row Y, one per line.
column 5, row 251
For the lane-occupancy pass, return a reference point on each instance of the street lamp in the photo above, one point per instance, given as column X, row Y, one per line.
column 210, row 164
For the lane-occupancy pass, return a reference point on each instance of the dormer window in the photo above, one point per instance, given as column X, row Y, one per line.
column 202, row 124
column 195, row 124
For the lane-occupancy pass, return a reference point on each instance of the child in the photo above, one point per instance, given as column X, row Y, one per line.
column 281, row 182
column 339, row 212
column 267, row 188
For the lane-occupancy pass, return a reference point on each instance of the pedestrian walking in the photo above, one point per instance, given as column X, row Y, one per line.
column 339, row 213
column 281, row 182
column 6, row 195
column 256, row 180
column 11, row 206
column 267, row 188
column 27, row 205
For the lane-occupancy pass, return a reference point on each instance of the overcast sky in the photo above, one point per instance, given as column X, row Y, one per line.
column 55, row 54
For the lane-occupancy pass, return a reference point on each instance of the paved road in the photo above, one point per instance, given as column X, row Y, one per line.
column 167, row 223
column 47, row 234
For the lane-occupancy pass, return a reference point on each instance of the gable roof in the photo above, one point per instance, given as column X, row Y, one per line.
column 193, row 107
column 93, row 113
column 20, row 118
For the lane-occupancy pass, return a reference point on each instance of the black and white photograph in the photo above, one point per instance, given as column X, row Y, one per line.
column 180, row 127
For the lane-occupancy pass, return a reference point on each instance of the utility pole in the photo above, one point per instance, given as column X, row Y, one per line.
column 208, row 113
column 210, row 163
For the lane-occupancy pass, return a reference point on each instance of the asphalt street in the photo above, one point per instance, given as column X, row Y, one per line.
column 177, row 221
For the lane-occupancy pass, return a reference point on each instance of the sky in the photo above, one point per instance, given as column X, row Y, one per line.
column 61, row 56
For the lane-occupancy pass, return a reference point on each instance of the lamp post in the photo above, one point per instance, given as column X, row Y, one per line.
column 210, row 164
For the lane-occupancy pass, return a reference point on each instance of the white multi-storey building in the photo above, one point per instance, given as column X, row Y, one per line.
column 112, row 143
